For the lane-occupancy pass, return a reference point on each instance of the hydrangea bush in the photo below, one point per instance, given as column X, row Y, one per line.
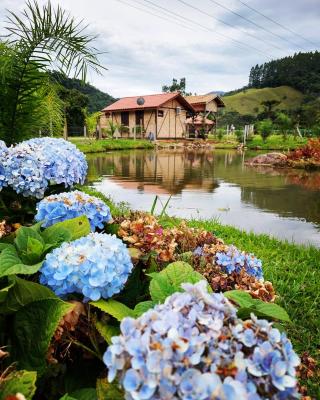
column 63, row 206
column 193, row 347
column 97, row 265
column 31, row 166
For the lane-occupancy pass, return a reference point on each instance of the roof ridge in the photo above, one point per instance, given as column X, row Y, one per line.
column 145, row 95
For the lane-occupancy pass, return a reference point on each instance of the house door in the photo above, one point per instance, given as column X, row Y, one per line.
column 140, row 117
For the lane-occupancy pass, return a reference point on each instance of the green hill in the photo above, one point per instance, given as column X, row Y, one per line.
column 249, row 101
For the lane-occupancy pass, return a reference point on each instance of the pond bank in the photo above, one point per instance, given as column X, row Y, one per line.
column 293, row 269
column 100, row 146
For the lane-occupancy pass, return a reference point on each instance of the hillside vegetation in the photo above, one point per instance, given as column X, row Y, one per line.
column 249, row 101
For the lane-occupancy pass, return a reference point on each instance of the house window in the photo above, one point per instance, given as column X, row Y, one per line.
column 140, row 117
column 160, row 113
column 107, row 114
column 125, row 118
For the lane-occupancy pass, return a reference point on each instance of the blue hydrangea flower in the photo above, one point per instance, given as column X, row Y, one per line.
column 3, row 155
column 31, row 166
column 57, row 208
column 97, row 265
column 233, row 260
column 64, row 163
column 194, row 347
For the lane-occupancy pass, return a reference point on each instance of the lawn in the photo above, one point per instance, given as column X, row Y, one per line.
column 96, row 146
column 293, row 269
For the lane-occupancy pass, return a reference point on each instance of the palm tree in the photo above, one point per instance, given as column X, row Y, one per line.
column 40, row 39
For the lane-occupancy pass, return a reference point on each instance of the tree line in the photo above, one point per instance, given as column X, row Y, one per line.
column 300, row 71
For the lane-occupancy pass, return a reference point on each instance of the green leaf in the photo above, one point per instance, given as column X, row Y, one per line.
column 77, row 227
column 53, row 238
column 112, row 229
column 114, row 308
column 271, row 310
column 85, row 394
column 107, row 331
column 11, row 264
column 23, row 292
column 34, row 251
column 142, row 307
column 23, row 382
column 33, row 327
column 169, row 280
column 108, row 391
column 67, row 397
column 240, row 297
column 5, row 290
column 23, row 236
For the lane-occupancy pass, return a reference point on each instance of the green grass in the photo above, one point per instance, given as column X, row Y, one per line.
column 96, row 146
column 293, row 269
column 273, row 142
column 276, row 142
column 249, row 101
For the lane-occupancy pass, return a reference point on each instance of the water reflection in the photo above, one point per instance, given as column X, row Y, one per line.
column 285, row 203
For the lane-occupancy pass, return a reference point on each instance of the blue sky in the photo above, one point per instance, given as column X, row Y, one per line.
column 145, row 51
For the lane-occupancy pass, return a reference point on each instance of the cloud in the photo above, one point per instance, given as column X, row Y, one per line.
column 144, row 51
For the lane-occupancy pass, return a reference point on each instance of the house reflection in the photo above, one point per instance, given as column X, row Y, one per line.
column 164, row 171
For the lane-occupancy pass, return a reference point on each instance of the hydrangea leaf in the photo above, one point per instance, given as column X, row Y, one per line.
column 144, row 306
column 108, row 391
column 84, row 394
column 5, row 290
column 39, row 320
column 107, row 331
column 271, row 310
column 23, row 237
column 23, row 382
column 240, row 297
column 23, row 292
column 11, row 264
column 114, row 308
column 77, row 227
column 169, row 280
column 54, row 237
column 67, row 397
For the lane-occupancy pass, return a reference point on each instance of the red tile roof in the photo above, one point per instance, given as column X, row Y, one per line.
column 150, row 101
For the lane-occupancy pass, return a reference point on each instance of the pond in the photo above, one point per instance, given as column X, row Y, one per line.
column 214, row 184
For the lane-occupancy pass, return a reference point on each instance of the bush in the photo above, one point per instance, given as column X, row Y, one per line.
column 265, row 128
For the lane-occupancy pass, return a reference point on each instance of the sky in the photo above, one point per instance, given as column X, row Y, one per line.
column 148, row 42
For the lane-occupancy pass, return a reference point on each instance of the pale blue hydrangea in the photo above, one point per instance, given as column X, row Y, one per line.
column 3, row 155
column 97, row 265
column 233, row 260
column 64, row 163
column 31, row 166
column 63, row 206
column 194, row 347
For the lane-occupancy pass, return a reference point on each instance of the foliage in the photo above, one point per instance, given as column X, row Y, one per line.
column 300, row 71
column 310, row 151
column 91, row 122
column 97, row 99
column 284, row 123
column 265, row 128
column 22, row 382
column 75, row 104
column 186, row 347
column 38, row 38
column 176, row 87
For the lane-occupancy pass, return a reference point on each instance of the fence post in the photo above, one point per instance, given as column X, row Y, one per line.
column 85, row 131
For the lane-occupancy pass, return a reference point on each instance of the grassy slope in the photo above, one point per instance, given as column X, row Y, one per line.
column 294, row 271
column 96, row 146
column 246, row 101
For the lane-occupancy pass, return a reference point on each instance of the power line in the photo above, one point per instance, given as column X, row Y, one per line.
column 278, row 23
column 230, row 25
column 155, row 15
column 255, row 24
column 208, row 29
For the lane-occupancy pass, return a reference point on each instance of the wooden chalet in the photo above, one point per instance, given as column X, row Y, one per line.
column 204, row 118
column 162, row 114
